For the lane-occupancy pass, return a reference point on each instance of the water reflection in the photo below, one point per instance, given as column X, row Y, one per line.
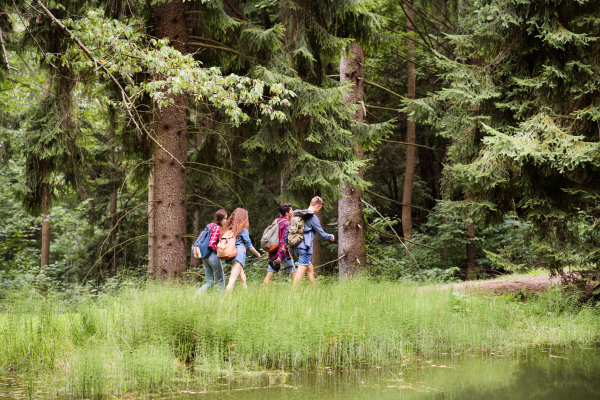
column 538, row 373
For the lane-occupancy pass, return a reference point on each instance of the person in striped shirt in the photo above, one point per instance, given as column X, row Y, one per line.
column 281, row 257
column 213, row 269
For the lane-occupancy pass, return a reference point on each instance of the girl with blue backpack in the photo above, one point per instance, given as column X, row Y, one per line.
column 206, row 248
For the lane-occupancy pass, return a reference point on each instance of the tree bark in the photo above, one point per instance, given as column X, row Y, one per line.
column 46, row 194
column 169, row 177
column 409, row 174
column 45, row 207
column 113, row 195
column 470, row 235
column 195, row 262
column 151, row 223
column 351, row 224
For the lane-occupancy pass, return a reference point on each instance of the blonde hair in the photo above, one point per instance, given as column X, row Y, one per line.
column 237, row 222
column 316, row 201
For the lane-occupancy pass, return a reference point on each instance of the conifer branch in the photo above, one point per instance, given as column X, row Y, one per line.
column 369, row 226
column 126, row 99
column 378, row 262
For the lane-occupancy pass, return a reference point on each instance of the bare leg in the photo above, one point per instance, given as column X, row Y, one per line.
column 243, row 277
column 268, row 278
column 299, row 274
column 236, row 268
column 293, row 276
column 310, row 274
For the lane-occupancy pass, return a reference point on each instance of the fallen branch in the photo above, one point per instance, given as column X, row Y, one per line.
column 398, row 237
column 382, row 88
column 411, row 144
column 398, row 202
column 377, row 261
column 330, row 262
column 406, row 240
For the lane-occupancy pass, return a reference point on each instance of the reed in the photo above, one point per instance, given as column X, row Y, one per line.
column 145, row 338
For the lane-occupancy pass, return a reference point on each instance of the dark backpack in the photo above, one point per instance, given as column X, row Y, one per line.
column 201, row 245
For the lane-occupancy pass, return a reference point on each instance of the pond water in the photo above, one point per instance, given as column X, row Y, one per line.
column 538, row 373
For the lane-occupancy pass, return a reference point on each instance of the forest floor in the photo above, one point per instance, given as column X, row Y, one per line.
column 526, row 283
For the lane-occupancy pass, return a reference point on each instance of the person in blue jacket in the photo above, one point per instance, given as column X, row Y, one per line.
column 238, row 222
column 304, row 249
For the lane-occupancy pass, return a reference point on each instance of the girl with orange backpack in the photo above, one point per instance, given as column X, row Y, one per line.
column 235, row 230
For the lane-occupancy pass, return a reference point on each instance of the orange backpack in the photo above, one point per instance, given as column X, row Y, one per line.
column 226, row 248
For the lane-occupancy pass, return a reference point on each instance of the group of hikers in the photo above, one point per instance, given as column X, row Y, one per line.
column 227, row 239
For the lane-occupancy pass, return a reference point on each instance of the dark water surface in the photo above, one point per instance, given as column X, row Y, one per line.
column 538, row 373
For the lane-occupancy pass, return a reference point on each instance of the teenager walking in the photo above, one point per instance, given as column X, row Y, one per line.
column 213, row 269
column 304, row 249
column 282, row 257
column 238, row 223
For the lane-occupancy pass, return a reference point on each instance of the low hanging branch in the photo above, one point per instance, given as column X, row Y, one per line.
column 371, row 227
column 8, row 67
column 126, row 99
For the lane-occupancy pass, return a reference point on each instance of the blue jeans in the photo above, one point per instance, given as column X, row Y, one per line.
column 214, row 271
column 303, row 256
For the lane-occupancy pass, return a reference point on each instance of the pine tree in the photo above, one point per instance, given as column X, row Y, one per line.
column 522, row 112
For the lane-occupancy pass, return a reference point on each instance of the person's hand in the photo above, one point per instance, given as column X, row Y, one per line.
column 333, row 238
column 278, row 261
column 257, row 253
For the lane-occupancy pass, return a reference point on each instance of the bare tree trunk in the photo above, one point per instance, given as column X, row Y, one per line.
column 151, row 223
column 169, row 177
column 46, row 193
column 351, row 224
column 409, row 174
column 113, row 196
column 45, row 206
column 195, row 262
column 470, row 235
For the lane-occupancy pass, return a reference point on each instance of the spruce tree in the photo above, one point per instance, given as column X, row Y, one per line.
column 522, row 110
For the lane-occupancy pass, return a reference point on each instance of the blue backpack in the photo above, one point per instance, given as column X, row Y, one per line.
column 200, row 249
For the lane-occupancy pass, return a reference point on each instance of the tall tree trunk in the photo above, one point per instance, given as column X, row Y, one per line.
column 46, row 193
column 351, row 224
column 45, row 207
column 169, row 176
column 195, row 262
column 470, row 235
column 151, row 214
column 409, row 174
column 113, row 194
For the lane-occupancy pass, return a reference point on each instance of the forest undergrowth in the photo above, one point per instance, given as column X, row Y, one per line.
column 146, row 337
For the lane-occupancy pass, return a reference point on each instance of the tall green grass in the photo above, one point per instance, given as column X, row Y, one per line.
column 147, row 337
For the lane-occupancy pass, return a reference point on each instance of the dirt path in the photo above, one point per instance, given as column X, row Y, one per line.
column 530, row 284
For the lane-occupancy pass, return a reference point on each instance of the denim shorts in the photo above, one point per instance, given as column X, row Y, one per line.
column 285, row 263
column 303, row 256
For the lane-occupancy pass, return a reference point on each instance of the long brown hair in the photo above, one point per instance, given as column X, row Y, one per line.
column 219, row 217
column 237, row 222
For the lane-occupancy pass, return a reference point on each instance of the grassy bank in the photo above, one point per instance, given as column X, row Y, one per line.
column 147, row 337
